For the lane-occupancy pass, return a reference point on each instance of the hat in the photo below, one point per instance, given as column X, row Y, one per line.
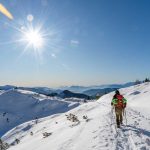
column 117, row 92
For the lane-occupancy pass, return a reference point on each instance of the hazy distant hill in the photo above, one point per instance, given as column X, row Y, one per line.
column 70, row 91
column 69, row 94
column 7, row 87
column 82, row 89
column 100, row 92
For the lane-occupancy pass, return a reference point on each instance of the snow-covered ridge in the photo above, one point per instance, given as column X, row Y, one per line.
column 19, row 106
column 138, row 97
column 98, row 133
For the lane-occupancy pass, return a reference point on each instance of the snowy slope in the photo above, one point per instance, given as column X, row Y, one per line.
column 1, row 92
column 19, row 106
column 99, row 133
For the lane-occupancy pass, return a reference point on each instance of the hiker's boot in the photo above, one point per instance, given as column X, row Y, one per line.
column 118, row 126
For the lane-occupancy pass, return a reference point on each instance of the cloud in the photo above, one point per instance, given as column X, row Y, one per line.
column 74, row 42
column 53, row 55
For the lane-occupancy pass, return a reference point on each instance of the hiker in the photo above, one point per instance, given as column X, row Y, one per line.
column 119, row 102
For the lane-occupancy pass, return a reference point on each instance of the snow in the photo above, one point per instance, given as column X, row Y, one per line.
column 21, row 106
column 99, row 132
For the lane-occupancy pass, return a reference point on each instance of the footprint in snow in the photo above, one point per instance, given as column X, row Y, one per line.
column 148, row 141
column 94, row 137
column 94, row 131
column 143, row 148
column 93, row 146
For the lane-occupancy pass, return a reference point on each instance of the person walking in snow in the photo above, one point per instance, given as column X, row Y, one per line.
column 119, row 103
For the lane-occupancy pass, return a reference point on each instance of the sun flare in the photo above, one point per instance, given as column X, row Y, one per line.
column 5, row 12
column 34, row 38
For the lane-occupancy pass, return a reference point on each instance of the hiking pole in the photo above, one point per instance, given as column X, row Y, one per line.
column 125, row 116
column 123, row 111
column 112, row 108
column 113, row 114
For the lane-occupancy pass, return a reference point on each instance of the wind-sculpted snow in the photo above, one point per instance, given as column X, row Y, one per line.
column 98, row 132
column 19, row 106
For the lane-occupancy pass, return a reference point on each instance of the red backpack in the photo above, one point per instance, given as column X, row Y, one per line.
column 120, row 103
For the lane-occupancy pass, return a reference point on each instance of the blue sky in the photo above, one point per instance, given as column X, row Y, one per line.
column 91, row 42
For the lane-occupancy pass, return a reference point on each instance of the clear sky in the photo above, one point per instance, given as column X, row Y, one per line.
column 84, row 42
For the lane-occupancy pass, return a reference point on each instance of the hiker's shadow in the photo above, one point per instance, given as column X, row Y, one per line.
column 137, row 130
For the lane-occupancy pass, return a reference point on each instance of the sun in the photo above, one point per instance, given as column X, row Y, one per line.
column 34, row 38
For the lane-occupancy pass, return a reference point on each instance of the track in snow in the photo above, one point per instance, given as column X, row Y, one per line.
column 131, row 136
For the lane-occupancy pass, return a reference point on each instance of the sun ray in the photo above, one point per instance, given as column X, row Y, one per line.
column 11, row 42
column 23, row 52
